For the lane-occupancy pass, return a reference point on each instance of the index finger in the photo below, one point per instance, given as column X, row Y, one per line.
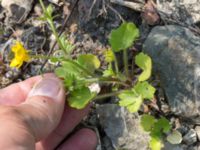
column 18, row 92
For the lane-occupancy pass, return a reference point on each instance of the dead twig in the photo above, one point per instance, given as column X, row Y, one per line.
column 116, row 12
column 91, row 9
column 137, row 6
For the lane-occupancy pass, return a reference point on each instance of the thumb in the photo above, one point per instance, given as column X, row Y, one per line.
column 37, row 117
column 44, row 106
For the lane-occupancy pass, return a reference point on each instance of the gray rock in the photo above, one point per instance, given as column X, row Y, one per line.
column 168, row 146
column 190, row 137
column 17, row 10
column 198, row 146
column 183, row 11
column 192, row 147
column 175, row 52
column 33, row 38
column 122, row 128
column 197, row 129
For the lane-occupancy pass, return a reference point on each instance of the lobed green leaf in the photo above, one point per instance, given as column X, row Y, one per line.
column 123, row 37
column 109, row 72
column 147, row 122
column 161, row 126
column 131, row 100
column 79, row 98
column 155, row 144
column 109, row 56
column 89, row 61
column 145, row 63
column 145, row 89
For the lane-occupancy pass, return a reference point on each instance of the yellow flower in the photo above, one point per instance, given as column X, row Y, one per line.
column 20, row 55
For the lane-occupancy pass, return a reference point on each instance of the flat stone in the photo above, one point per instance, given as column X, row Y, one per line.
column 122, row 128
column 168, row 146
column 17, row 10
column 175, row 52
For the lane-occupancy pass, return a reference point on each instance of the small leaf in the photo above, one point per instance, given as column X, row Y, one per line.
column 122, row 77
column 66, row 44
column 69, row 81
column 123, row 37
column 161, row 126
column 155, row 144
column 145, row 63
column 61, row 72
column 73, row 69
column 109, row 72
column 109, row 56
column 175, row 137
column 49, row 10
column 42, row 18
column 164, row 124
column 89, row 61
column 80, row 98
column 147, row 122
column 131, row 100
column 145, row 89
column 54, row 60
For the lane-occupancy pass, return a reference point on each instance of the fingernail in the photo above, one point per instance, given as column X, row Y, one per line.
column 49, row 87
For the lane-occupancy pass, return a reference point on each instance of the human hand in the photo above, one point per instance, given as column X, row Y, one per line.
column 33, row 115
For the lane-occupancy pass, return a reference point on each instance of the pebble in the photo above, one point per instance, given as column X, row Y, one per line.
column 197, row 129
column 191, row 137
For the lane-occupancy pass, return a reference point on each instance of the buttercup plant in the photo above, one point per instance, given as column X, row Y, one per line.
column 157, row 129
column 80, row 73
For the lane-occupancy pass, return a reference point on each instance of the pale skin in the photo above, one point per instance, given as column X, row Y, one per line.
column 34, row 116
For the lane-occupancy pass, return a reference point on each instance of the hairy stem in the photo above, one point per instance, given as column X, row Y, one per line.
column 52, row 26
column 99, row 97
column 107, row 81
column 55, row 33
column 125, row 59
column 68, row 60
column 42, row 5
column 116, row 64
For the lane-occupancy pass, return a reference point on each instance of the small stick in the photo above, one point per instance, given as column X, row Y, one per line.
column 133, row 5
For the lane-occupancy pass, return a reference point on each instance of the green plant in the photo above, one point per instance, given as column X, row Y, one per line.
column 80, row 73
column 157, row 129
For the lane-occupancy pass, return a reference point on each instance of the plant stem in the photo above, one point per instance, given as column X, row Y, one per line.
column 41, row 57
column 98, row 97
column 42, row 5
column 125, row 59
column 112, row 80
column 107, row 81
column 68, row 60
column 52, row 26
column 116, row 64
